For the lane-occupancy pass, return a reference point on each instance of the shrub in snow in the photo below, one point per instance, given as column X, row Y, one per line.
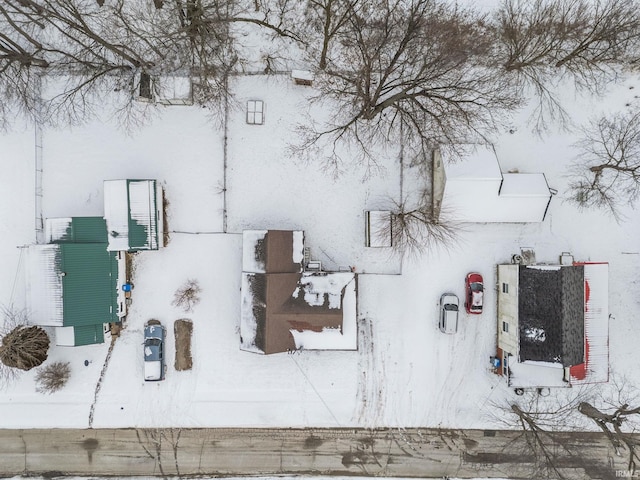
column 187, row 296
column 53, row 377
column 24, row 347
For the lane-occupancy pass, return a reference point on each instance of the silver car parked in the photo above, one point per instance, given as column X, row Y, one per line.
column 449, row 313
column 153, row 351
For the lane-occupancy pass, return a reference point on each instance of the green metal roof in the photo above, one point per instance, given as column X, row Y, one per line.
column 143, row 232
column 88, row 334
column 89, row 284
column 85, row 230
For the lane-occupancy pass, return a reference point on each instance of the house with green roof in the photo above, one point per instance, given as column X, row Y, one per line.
column 74, row 282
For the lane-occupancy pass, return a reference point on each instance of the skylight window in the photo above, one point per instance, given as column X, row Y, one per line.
column 255, row 112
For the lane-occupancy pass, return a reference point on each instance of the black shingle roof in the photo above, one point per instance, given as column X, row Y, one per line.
column 551, row 314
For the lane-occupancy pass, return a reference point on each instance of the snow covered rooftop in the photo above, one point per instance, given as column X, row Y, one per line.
column 44, row 284
column 595, row 368
column 73, row 285
column 475, row 190
column 562, row 313
column 473, row 162
column 532, row 374
column 273, row 251
column 285, row 309
column 131, row 212
column 57, row 229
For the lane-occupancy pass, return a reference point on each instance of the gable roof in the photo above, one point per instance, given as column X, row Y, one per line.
column 475, row 189
column 550, row 314
column 72, row 285
column 272, row 251
column 595, row 368
column 76, row 230
column 284, row 308
column 131, row 212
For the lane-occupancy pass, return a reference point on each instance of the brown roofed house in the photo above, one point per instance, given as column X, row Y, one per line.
column 286, row 308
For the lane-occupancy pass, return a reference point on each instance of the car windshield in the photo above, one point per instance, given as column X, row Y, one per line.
column 450, row 306
column 476, row 287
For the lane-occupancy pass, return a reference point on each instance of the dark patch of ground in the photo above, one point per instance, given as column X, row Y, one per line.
column 183, row 329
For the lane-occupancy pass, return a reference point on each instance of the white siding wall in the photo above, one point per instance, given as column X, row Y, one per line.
column 508, row 308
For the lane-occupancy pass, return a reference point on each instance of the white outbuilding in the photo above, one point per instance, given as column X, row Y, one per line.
column 472, row 188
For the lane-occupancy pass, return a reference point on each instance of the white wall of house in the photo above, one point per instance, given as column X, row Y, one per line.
column 508, row 308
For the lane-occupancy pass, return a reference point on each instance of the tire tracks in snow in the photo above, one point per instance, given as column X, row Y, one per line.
column 103, row 372
column 370, row 394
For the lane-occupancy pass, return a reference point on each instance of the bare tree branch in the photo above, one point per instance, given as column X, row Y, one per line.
column 420, row 64
column 606, row 172
column 586, row 41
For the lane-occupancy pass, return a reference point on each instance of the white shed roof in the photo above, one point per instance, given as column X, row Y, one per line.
column 524, row 185
column 476, row 190
column 476, row 162
column 142, row 209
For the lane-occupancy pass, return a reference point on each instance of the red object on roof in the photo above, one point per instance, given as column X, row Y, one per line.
column 595, row 368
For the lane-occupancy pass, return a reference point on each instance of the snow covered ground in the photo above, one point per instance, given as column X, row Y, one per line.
column 405, row 373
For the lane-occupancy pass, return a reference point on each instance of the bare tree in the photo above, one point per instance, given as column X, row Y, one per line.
column 547, row 422
column 84, row 52
column 544, row 422
column 619, row 422
column 414, row 66
column 587, row 41
column 53, row 377
column 188, row 295
column 607, row 169
column 327, row 19
column 415, row 228
column 274, row 16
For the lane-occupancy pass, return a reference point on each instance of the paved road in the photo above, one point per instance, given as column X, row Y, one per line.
column 388, row 452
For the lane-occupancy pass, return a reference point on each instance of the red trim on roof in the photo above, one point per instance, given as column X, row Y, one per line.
column 579, row 371
column 595, row 368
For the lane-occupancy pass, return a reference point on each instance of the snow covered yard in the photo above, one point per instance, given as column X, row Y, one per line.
column 271, row 186
column 182, row 150
column 405, row 373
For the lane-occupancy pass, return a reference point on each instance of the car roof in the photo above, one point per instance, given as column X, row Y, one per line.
column 449, row 298
column 154, row 331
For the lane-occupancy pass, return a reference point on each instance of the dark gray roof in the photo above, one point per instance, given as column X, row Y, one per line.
column 551, row 314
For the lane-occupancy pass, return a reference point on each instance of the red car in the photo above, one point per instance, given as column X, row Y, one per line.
column 474, row 293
